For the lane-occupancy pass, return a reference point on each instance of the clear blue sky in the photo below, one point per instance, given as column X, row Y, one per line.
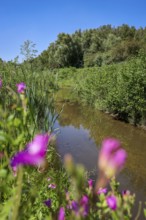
column 42, row 20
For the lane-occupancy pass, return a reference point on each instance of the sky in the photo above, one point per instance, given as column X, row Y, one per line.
column 40, row 21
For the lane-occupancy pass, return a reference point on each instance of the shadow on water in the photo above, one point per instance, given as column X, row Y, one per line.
column 82, row 130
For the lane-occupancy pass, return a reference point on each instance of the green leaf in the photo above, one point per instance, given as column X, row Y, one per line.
column 3, row 173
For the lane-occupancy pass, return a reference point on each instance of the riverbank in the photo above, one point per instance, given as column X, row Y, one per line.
column 118, row 89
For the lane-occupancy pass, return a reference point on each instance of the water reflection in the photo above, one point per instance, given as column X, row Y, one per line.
column 82, row 130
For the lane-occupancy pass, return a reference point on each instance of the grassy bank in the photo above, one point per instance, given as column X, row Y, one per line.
column 118, row 89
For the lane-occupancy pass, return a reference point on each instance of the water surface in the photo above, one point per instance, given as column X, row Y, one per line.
column 82, row 130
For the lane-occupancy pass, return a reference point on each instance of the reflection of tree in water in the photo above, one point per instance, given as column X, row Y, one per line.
column 69, row 114
column 101, row 126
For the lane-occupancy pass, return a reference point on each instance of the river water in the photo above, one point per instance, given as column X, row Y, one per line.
column 81, row 131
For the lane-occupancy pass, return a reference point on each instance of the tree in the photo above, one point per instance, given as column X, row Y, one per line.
column 28, row 50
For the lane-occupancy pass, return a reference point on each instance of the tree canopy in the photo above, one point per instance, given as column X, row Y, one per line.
column 92, row 47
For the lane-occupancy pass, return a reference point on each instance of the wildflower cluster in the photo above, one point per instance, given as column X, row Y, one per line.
column 79, row 198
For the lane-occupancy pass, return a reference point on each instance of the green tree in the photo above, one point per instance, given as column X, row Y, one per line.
column 28, row 50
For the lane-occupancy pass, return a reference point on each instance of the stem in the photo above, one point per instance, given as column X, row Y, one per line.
column 101, row 182
column 17, row 197
column 139, row 211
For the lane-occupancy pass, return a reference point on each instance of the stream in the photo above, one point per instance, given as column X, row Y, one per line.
column 81, row 132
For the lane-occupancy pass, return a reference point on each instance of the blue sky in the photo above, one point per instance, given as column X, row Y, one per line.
column 42, row 20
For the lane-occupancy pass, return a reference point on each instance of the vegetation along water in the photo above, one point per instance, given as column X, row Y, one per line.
column 84, row 99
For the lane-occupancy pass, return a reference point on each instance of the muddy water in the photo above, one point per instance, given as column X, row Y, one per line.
column 82, row 130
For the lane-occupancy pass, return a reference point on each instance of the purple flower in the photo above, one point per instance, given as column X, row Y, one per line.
column 1, row 83
column 125, row 192
column 75, row 207
column 21, row 87
column 90, row 183
column 48, row 203
column 61, row 215
column 119, row 159
column 111, row 202
column 111, row 157
column 34, row 153
column 81, row 207
column 49, row 179
column 84, row 204
column 102, row 190
column 126, row 195
column 84, row 200
column 52, row 186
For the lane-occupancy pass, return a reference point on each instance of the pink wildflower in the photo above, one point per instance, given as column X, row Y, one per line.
column 111, row 202
column 52, row 186
column 112, row 157
column 61, row 215
column 21, row 87
column 34, row 154
column 102, row 190
column 90, row 183
column 1, row 83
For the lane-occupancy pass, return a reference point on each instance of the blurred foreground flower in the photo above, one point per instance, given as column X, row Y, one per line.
column 112, row 202
column 34, row 154
column 21, row 87
column 52, row 186
column 111, row 160
column 112, row 157
column 90, row 183
column 80, row 208
column 102, row 190
column 1, row 83
column 75, row 207
column 125, row 193
column 84, row 203
column 48, row 203
column 61, row 215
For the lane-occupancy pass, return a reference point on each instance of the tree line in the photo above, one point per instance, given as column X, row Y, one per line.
column 93, row 47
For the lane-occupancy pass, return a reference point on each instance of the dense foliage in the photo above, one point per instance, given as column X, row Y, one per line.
column 93, row 47
column 118, row 89
column 26, row 110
